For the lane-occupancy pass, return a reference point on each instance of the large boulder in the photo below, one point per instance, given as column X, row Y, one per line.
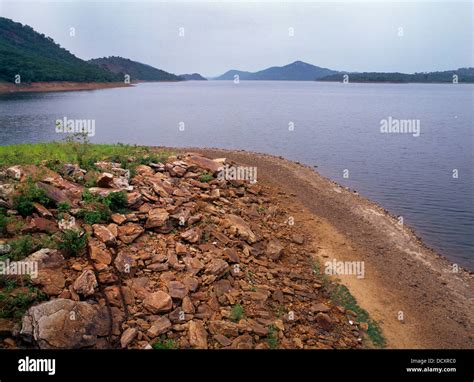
column 64, row 324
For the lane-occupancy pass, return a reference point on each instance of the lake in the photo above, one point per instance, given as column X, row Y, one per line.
column 424, row 174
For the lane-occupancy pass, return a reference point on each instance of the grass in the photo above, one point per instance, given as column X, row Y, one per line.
column 15, row 305
column 82, row 153
column 236, row 313
column 3, row 223
column 29, row 194
column 99, row 208
column 165, row 344
column 272, row 337
column 72, row 242
column 342, row 296
column 206, row 177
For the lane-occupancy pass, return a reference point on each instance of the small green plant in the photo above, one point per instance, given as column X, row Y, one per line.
column 64, row 207
column 14, row 305
column 165, row 344
column 236, row 313
column 206, row 177
column 72, row 242
column 116, row 201
column 272, row 337
column 3, row 222
column 29, row 194
column 22, row 247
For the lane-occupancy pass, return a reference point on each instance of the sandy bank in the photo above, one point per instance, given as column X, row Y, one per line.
column 58, row 86
column 408, row 288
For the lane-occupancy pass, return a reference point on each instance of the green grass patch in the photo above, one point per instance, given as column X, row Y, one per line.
column 72, row 242
column 272, row 337
column 28, row 194
column 342, row 296
column 236, row 313
column 165, row 344
column 80, row 152
column 206, row 177
column 15, row 305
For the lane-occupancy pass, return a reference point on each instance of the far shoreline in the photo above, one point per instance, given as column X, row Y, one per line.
column 58, row 86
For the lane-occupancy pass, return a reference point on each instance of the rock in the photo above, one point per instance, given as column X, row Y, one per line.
column 104, row 179
column 232, row 255
column 157, row 217
column 197, row 335
column 43, row 211
column 128, row 336
column 241, row 228
column 274, row 249
column 63, row 324
column 104, row 235
column 158, row 302
column 124, row 262
column 177, row 290
column 53, row 193
column 319, row 308
column 324, row 321
column 223, row 340
column 243, row 342
column 180, row 249
column 6, row 327
column 193, row 265
column 226, row 328
column 38, row 224
column 98, row 252
column 118, row 218
column 134, row 199
column 191, row 235
column 85, row 283
column 159, row 326
column 129, row 232
column 204, row 163
column 297, row 238
column 217, row 267
column 46, row 258
column 144, row 170
column 187, row 305
column 15, row 172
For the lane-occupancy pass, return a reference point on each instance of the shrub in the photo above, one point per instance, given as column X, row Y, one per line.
column 22, row 247
column 116, row 201
column 72, row 242
column 236, row 313
column 206, row 177
column 3, row 223
column 29, row 194
column 165, row 344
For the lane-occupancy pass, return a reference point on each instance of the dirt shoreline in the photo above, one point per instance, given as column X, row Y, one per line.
column 408, row 288
column 57, row 86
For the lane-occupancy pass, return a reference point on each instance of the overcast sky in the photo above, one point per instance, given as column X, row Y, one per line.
column 218, row 36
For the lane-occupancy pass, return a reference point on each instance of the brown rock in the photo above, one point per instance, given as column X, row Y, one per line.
column 129, row 232
column 274, row 249
column 85, row 283
column 118, row 218
column 177, row 289
column 197, row 335
column 43, row 211
column 319, row 308
column 128, row 336
column 324, row 321
column 158, row 302
column 217, row 267
column 104, row 235
column 191, row 235
column 104, row 179
column 157, row 217
column 98, row 252
column 240, row 227
column 159, row 326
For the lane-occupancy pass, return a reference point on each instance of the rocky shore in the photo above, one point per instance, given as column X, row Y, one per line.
column 167, row 254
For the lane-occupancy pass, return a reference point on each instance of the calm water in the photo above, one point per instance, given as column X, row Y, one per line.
column 336, row 127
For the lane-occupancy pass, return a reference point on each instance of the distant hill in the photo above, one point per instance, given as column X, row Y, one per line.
column 296, row 71
column 136, row 70
column 465, row 75
column 38, row 58
column 193, row 77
